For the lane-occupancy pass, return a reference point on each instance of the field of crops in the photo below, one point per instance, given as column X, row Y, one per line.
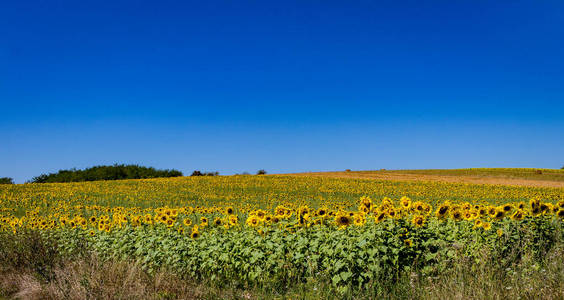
column 279, row 231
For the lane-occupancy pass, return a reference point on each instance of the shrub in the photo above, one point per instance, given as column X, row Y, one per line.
column 261, row 172
column 198, row 173
column 115, row 172
column 6, row 180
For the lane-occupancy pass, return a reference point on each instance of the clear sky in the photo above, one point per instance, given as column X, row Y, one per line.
column 288, row 86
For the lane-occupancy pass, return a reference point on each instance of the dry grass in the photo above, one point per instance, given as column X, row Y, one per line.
column 529, row 178
column 92, row 278
column 525, row 280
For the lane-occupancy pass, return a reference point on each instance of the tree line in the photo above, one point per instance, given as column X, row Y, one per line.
column 114, row 172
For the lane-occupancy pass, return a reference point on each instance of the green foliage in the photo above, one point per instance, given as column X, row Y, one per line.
column 6, row 180
column 29, row 252
column 199, row 173
column 115, row 172
column 358, row 258
column 261, row 172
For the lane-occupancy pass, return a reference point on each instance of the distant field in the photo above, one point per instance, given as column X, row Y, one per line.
column 524, row 173
column 334, row 235
column 503, row 176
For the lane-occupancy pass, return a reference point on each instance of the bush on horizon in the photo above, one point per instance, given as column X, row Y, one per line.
column 115, row 172
column 6, row 180
column 199, row 173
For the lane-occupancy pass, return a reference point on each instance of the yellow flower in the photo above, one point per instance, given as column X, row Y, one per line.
column 499, row 214
column 456, row 215
column 359, row 220
column 405, row 202
column 342, row 220
column 418, row 221
column 442, row 211
column 486, row 225
column 381, row 216
column 518, row 215
column 253, row 221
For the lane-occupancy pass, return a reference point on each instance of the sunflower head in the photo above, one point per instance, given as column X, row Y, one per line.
column 491, row 211
column 499, row 214
column 457, row 215
column 253, row 221
column 381, row 216
column 518, row 215
column 405, row 202
column 486, row 225
column 418, row 221
column 442, row 211
column 359, row 220
column 343, row 220
column 543, row 207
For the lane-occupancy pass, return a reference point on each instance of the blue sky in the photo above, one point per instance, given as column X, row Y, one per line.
column 288, row 86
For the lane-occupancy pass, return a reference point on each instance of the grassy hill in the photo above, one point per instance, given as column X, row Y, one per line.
column 523, row 173
column 503, row 176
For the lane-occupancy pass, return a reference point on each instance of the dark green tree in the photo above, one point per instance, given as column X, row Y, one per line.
column 6, row 180
column 115, row 172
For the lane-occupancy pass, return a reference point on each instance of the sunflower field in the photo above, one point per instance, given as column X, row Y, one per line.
column 281, row 230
